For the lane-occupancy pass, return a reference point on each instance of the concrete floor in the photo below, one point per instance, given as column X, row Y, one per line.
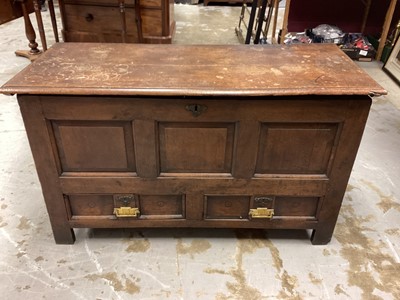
column 361, row 262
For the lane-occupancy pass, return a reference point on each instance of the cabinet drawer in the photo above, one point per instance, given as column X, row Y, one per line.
column 143, row 3
column 100, row 2
column 227, row 207
column 238, row 207
column 82, row 206
column 103, row 19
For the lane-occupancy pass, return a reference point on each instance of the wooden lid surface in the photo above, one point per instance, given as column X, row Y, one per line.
column 193, row 70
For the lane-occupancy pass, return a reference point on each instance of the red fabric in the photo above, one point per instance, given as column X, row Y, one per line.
column 346, row 14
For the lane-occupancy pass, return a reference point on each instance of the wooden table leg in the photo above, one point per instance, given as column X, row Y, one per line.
column 123, row 20
column 39, row 19
column 30, row 34
column 53, row 20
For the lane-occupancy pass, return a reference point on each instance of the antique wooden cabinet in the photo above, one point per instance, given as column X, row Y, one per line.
column 193, row 136
column 11, row 10
column 116, row 21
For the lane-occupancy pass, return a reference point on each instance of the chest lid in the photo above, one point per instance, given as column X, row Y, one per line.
column 192, row 70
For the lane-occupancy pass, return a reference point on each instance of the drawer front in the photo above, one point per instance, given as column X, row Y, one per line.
column 227, row 207
column 92, row 206
column 99, row 20
column 143, row 3
column 216, row 207
column 224, row 207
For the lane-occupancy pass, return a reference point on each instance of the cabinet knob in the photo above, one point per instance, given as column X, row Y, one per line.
column 89, row 17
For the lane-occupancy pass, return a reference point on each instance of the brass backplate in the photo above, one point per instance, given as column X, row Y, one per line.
column 127, row 212
column 261, row 213
column 196, row 109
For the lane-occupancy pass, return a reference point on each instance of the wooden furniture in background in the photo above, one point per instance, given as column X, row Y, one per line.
column 12, row 9
column 206, row 2
column 255, row 23
column 34, row 52
column 132, row 135
column 116, row 21
column 386, row 28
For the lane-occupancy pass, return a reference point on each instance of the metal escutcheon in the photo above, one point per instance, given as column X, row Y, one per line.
column 196, row 109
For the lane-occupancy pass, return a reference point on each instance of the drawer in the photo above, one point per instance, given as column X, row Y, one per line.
column 91, row 206
column 238, row 206
column 143, row 3
column 102, row 20
column 227, row 207
column 99, row 2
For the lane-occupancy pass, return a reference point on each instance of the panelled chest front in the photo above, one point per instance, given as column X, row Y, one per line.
column 195, row 139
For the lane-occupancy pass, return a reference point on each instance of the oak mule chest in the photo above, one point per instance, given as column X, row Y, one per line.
column 193, row 136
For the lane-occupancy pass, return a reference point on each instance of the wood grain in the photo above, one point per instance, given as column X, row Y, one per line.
column 196, row 70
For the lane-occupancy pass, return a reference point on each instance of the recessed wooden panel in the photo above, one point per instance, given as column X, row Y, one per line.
column 196, row 147
column 91, row 205
column 94, row 146
column 162, row 206
column 295, row 148
column 296, row 206
column 227, row 207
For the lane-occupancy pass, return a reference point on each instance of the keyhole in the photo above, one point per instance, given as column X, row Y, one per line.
column 196, row 109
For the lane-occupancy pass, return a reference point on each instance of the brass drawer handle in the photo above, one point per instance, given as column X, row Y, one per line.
column 261, row 213
column 89, row 17
column 126, row 212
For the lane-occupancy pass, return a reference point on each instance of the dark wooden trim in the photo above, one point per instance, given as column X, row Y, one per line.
column 46, row 166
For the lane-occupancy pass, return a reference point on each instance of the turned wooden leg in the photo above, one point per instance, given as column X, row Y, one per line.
column 39, row 19
column 34, row 52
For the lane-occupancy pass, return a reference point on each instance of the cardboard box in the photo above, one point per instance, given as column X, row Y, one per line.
column 359, row 54
column 358, row 47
